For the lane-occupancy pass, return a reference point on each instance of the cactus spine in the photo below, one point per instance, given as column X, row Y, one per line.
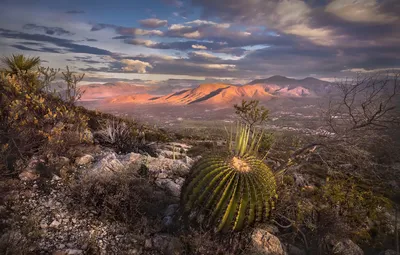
column 230, row 191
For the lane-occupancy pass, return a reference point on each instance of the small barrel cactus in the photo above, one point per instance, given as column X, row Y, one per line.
column 230, row 191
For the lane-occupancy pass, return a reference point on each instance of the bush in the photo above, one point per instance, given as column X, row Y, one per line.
column 34, row 122
column 119, row 135
column 122, row 196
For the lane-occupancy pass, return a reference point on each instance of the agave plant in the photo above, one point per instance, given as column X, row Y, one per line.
column 231, row 190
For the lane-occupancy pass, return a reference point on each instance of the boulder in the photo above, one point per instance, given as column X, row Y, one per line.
column 170, row 186
column 29, row 173
column 167, row 244
column 109, row 164
column 84, row 160
column 166, row 165
column 266, row 243
column 347, row 247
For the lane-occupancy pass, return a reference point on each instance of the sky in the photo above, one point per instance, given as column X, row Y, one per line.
column 237, row 40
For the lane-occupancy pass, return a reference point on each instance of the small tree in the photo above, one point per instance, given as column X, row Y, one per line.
column 251, row 113
column 46, row 77
column 73, row 92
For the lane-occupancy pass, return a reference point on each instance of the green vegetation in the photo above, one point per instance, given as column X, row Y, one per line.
column 19, row 63
column 233, row 190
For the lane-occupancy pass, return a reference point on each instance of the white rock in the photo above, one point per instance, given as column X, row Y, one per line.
column 28, row 175
column 84, row 160
column 265, row 243
column 148, row 244
column 347, row 247
column 55, row 224
column 169, row 185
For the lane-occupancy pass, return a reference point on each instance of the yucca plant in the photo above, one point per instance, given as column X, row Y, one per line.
column 231, row 190
column 20, row 63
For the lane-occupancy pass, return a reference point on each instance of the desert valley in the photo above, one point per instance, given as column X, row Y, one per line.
column 295, row 104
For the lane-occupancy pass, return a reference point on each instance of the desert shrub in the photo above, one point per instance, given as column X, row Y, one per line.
column 122, row 196
column 340, row 208
column 231, row 190
column 118, row 134
column 251, row 113
column 34, row 122
column 266, row 143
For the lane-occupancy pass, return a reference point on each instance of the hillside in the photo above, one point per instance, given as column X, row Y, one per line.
column 222, row 94
column 315, row 86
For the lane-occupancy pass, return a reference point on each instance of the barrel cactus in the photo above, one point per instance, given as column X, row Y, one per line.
column 233, row 189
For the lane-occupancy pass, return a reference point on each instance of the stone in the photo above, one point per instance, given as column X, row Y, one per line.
column 266, row 243
column 148, row 244
column 28, row 175
column 73, row 252
column 171, row 209
column 84, row 160
column 188, row 161
column 347, row 247
column 167, row 221
column 108, row 165
column 55, row 224
column 133, row 157
column 173, row 188
column 166, row 165
column 388, row 252
column 167, row 244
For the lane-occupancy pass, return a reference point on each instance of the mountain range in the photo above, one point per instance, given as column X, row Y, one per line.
column 210, row 93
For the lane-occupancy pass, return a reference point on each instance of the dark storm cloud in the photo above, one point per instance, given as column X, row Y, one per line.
column 41, row 49
column 47, row 30
column 67, row 45
column 321, row 37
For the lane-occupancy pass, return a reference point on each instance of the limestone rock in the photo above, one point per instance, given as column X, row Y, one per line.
column 266, row 243
column 173, row 188
column 84, row 160
column 347, row 247
column 167, row 244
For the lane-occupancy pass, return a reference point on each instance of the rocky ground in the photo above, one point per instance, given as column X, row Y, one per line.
column 65, row 212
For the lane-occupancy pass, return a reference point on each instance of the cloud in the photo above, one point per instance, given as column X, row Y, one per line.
column 47, row 30
column 153, row 23
column 363, row 11
column 75, row 12
column 126, row 32
column 202, row 55
column 199, row 47
column 135, row 65
column 65, row 44
column 41, row 49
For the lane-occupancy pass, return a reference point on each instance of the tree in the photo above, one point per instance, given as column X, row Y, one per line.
column 73, row 92
column 366, row 102
column 251, row 113
column 20, row 63
column 358, row 114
